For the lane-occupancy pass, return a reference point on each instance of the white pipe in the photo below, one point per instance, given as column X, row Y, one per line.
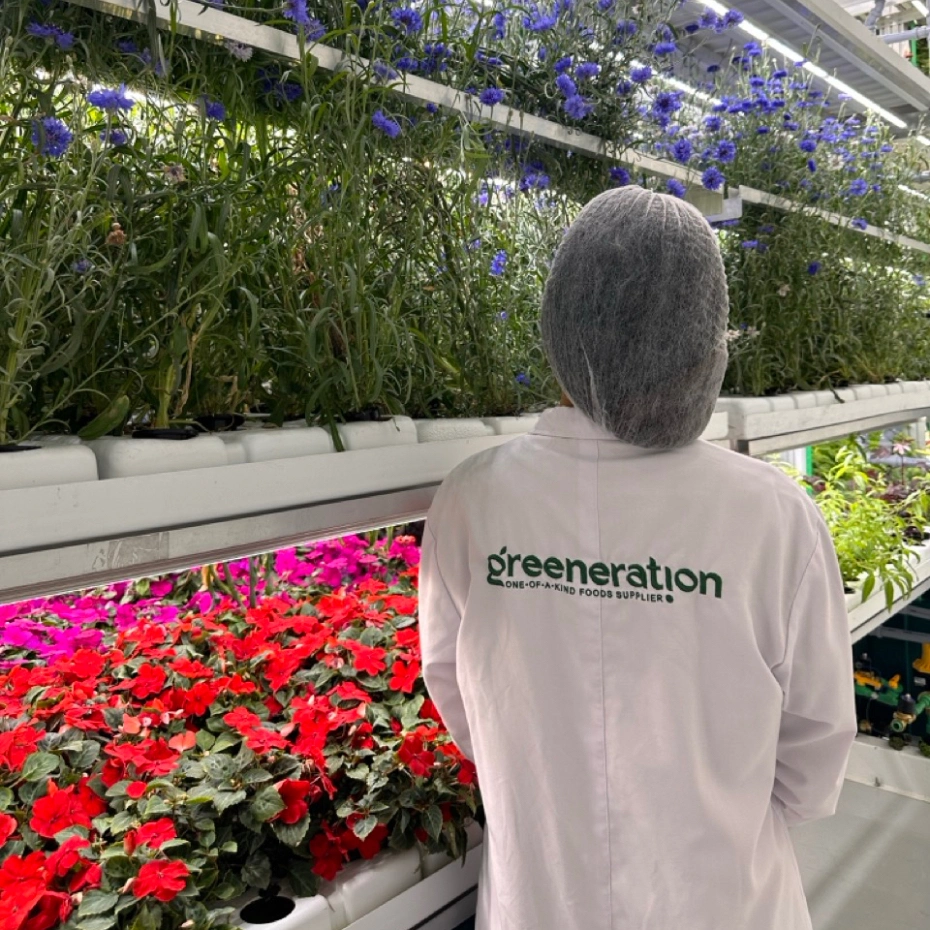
column 921, row 32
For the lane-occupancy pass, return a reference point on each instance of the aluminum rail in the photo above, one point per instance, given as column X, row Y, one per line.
column 209, row 23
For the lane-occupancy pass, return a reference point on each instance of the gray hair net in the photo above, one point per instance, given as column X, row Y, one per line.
column 634, row 317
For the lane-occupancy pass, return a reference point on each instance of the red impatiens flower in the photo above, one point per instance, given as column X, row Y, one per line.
column 467, row 774
column 67, row 856
column 328, row 854
column 84, row 665
column 22, row 884
column 429, row 711
column 261, row 741
column 408, row 637
column 155, row 833
column 53, row 909
column 404, row 676
column 414, row 754
column 294, row 795
column 369, row 847
column 8, row 826
column 93, row 804
column 148, row 680
column 17, row 745
column 162, row 879
column 192, row 669
column 242, row 719
column 368, row 659
column 58, row 810
column 135, row 789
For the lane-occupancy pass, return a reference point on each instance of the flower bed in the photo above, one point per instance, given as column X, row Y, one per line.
column 164, row 746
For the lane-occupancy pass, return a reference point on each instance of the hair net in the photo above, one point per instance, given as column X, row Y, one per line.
column 634, row 317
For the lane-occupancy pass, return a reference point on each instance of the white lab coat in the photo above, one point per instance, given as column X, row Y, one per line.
column 639, row 758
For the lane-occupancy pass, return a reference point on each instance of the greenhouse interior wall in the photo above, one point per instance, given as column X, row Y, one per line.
column 269, row 273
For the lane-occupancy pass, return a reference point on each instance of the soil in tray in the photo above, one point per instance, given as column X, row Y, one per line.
column 15, row 447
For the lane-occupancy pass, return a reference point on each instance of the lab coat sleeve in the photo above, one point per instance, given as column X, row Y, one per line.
column 818, row 722
column 440, row 619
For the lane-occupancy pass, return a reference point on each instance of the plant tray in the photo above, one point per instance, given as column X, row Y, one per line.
column 773, row 424
column 442, row 901
column 865, row 616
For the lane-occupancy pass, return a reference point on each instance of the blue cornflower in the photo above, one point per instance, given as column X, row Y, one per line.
column 566, row 85
column 491, row 96
column 127, row 47
column 641, row 75
column 620, row 176
column 500, row 25
column 779, row 75
column 432, row 108
column 887, row 148
column 732, row 18
column 523, row 378
column 606, row 5
column 919, row 280
column 110, row 99
column 665, row 48
column 624, row 87
column 682, row 151
column 752, row 49
column 296, row 12
column 473, row 246
column 51, row 136
column 858, row 188
column 407, row 19
column 713, row 123
column 811, row 165
column 751, row 244
column 763, row 130
column 563, row 64
column 407, row 63
column 859, row 223
column 712, row 178
column 813, row 268
column 709, row 19
column 499, row 263
column 64, row 40
column 540, row 22
column 116, row 137
column 626, row 27
column 213, row 108
column 666, row 103
column 503, row 316
column 385, row 124
column 587, row 70
column 82, row 266
column 808, row 145
column 675, row 187
column 577, row 107
column 383, row 71
column 724, row 151
column 713, row 69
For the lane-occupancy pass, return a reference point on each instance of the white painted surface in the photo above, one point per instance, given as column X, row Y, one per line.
column 362, row 887
column 867, row 867
column 717, row 429
column 906, row 772
column 47, row 466
column 308, row 914
column 440, row 430
column 35, row 518
column 398, row 431
column 758, row 417
column 266, row 445
column 125, row 457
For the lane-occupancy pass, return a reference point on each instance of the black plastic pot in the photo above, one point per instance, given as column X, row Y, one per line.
column 176, row 433
column 366, row 415
column 17, row 447
column 221, row 422
column 267, row 910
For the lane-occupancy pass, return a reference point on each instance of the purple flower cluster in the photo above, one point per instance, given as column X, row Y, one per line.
column 52, row 33
column 111, row 99
column 390, row 128
column 50, row 136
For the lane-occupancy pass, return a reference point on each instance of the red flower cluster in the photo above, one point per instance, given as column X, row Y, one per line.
column 181, row 741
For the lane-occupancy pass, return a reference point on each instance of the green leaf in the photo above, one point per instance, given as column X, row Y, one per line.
column 122, row 822
column 292, row 834
column 433, row 818
column 266, row 804
column 219, row 768
column 205, row 740
column 97, row 902
column 363, row 827
column 6, row 798
column 256, row 872
column 223, row 800
column 97, row 923
column 303, row 882
column 40, row 765
column 112, row 418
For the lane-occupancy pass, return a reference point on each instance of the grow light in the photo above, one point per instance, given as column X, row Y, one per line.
column 788, row 52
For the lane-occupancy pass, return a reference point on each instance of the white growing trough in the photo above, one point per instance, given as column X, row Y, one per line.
column 391, row 892
column 772, row 424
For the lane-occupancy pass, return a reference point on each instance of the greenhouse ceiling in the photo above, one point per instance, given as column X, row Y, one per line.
column 843, row 50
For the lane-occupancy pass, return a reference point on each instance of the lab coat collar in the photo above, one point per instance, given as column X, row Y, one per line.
column 571, row 423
